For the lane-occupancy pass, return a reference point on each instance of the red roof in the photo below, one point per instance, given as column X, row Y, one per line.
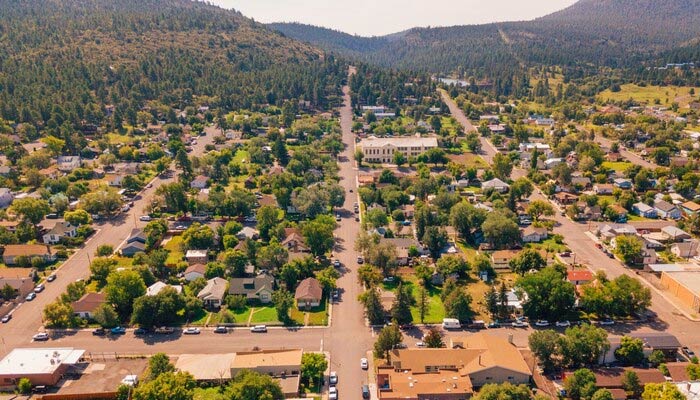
column 582, row 275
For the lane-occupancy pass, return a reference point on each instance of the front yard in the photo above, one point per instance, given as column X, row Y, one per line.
column 317, row 316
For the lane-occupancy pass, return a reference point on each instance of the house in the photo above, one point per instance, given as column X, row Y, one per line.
column 309, row 293
column 199, row 182
column 20, row 279
column 581, row 181
column 61, row 230
column 157, row 287
column 667, row 210
column 687, row 249
column 622, row 183
column 501, row 259
column 603, row 188
column 6, row 197
column 195, row 271
column 496, row 185
column 611, row 378
column 213, row 293
column 131, row 248
column 294, row 241
column 115, row 180
column 68, row 163
column 248, row 233
column 11, row 226
column 85, row 307
column 13, row 251
column 619, row 211
column 196, row 257
column 381, row 150
column 690, row 208
column 259, row 288
column 532, row 234
column 403, row 246
column 552, row 162
column 454, row 372
column 42, row 366
column 644, row 210
column 565, row 198
column 579, row 277
column 587, row 212
column 675, row 234
column 610, row 231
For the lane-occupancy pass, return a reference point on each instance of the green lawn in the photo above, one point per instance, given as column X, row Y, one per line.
column 318, row 316
column 469, row 251
column 436, row 311
column 264, row 315
column 115, row 138
column 619, row 166
column 550, row 244
column 212, row 393
column 241, row 156
column 200, row 319
column 174, row 246
column 649, row 94
column 241, row 316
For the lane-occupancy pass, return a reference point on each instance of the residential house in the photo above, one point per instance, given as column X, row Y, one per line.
column 13, row 251
column 157, row 287
column 309, row 293
column 129, row 249
column 500, row 259
column 587, row 212
column 667, row 210
column 687, row 249
column 195, row 271
column 197, row 257
column 248, row 233
column 20, row 279
column 675, row 234
column 6, row 197
column 644, row 210
column 579, row 277
column 552, row 162
column 61, row 230
column 294, row 241
column 381, row 150
column 403, row 245
column 115, row 180
column 619, row 211
column 610, row 231
column 690, row 208
column 11, row 226
column 496, row 185
column 214, row 292
column 68, row 163
column 581, row 181
column 622, row 183
column 199, row 182
column 612, row 378
column 258, row 288
column 532, row 234
column 85, row 307
column 408, row 210
column 565, row 198
column 603, row 188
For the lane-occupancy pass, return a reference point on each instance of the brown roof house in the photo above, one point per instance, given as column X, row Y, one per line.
column 259, row 288
column 213, row 293
column 533, row 234
column 86, row 306
column 20, row 279
column 13, row 251
column 294, row 241
column 195, row 271
column 309, row 293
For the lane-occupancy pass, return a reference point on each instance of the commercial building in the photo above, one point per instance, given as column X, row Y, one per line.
column 684, row 285
column 381, row 150
column 41, row 366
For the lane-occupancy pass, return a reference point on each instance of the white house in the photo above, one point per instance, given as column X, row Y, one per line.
column 213, row 293
column 68, row 163
column 381, row 150
column 157, row 287
column 61, row 230
column 495, row 184
column 534, row 235
column 644, row 210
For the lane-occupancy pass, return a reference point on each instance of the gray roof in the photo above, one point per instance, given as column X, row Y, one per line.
column 664, row 206
column 251, row 286
column 657, row 340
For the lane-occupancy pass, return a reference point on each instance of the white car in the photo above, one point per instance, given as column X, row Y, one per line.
column 259, row 328
column 606, row 321
column 333, row 378
column 41, row 337
column 542, row 322
column 420, row 344
column 332, row 393
column 519, row 324
column 191, row 331
column 563, row 324
column 39, row 288
column 130, row 380
column 364, row 364
column 31, row 296
column 145, row 218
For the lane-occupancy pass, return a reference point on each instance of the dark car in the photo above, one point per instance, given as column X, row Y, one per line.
column 99, row 332
column 220, row 329
column 118, row 330
column 164, row 330
column 689, row 353
column 406, row 327
column 365, row 392
column 140, row 331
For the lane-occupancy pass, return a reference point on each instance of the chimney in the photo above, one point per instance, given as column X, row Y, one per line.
column 479, row 359
column 510, row 338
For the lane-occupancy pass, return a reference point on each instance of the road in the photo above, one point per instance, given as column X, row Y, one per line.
column 634, row 158
column 27, row 318
column 488, row 151
column 669, row 319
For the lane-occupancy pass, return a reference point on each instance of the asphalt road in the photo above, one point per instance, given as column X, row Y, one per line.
column 634, row 158
column 27, row 318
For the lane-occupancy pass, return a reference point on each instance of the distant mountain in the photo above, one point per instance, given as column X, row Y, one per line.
column 598, row 32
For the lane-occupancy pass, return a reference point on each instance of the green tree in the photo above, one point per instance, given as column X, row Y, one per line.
column 549, row 295
column 123, row 287
column 602, row 394
column 435, row 239
column 313, row 365
column 632, row 384
column 433, row 339
column 657, row 357
column 631, row 351
column 538, row 208
column 169, row 385
column 77, row 217
column 662, row 391
column 373, row 306
column 198, row 236
column 319, row 234
column 267, row 219
column 528, row 260
column 104, row 250
column 502, row 166
column 493, row 391
column 500, row 230
column 465, row 218
column 399, row 159
column 545, row 345
column 583, row 345
column 58, row 315
column 327, row 277
column 106, row 316
column 283, row 301
column 74, row 291
column 30, row 209
column 100, row 268
column 401, row 309
column 628, row 248
column 369, row 275
column 389, row 337
column 273, row 256
column 423, row 303
column 235, row 261
column 24, row 386
column 159, row 364
column 580, row 384
column 359, row 156
column 458, row 305
column 252, row 385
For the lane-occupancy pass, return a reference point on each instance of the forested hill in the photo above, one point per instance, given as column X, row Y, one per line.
column 590, row 32
column 80, row 55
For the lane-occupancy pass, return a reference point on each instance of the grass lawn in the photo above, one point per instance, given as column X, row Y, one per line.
column 115, row 138
column 262, row 315
column 241, row 156
column 469, row 159
column 436, row 310
column 211, row 393
column 174, row 246
column 200, row 318
column 635, row 217
column 469, row 251
column 124, row 262
column 618, row 166
column 648, row 94
column 318, row 316
column 550, row 244
column 241, row 316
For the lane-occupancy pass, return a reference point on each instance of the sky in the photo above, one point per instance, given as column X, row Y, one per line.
column 381, row 17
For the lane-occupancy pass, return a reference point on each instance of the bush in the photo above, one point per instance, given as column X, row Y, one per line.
column 24, row 386
column 236, row 303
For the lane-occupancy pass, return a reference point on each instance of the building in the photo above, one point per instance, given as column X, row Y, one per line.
column 622, row 183
column 603, row 188
column 131, row 248
column 684, row 285
column 195, row 271
column 579, row 277
column 13, row 251
column 500, row 259
column 6, row 197
column 667, row 210
column 381, row 150
column 495, row 184
column 214, row 292
column 259, row 288
column 199, row 182
column 42, row 366
column 157, row 287
column 674, row 234
column 644, row 210
column 309, row 293
column 294, row 241
column 451, row 373
column 68, row 163
column 85, row 307
column 611, row 378
column 61, row 230
column 533, row 235
column 687, row 249
column 20, row 279
column 197, row 257
column 403, row 247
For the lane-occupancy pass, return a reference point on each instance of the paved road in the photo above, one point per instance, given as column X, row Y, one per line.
column 634, row 158
column 581, row 244
column 27, row 318
column 487, row 149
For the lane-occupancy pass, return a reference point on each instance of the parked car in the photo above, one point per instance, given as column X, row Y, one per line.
column 364, row 364
column 220, row 329
column 336, row 263
column 51, row 278
column 259, row 328
column 164, row 330
column 365, row 392
column 332, row 393
column 563, row 324
column 39, row 288
column 333, row 378
column 360, row 259
column 689, row 353
column 565, row 254
column 406, row 327
column 130, row 380
column 541, row 322
column 606, row 321
column 191, row 331
column 118, row 330
column 420, row 344
column 31, row 296
column 41, row 337
column 519, row 324
column 99, row 332
column 337, row 217
column 6, row 318
column 494, row 325
column 145, row 218
column 335, row 295
column 140, row 331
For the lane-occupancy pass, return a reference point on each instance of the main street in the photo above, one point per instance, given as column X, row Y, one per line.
column 668, row 318
column 27, row 318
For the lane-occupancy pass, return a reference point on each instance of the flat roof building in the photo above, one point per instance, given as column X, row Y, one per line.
column 381, row 150
column 684, row 285
column 41, row 366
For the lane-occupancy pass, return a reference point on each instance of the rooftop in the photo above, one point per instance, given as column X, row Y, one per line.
column 689, row 279
column 266, row 358
column 412, row 141
column 206, row 367
column 24, row 361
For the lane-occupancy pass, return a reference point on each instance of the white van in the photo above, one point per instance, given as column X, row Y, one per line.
column 451, row 323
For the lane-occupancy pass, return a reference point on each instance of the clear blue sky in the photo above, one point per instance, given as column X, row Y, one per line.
column 379, row 17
